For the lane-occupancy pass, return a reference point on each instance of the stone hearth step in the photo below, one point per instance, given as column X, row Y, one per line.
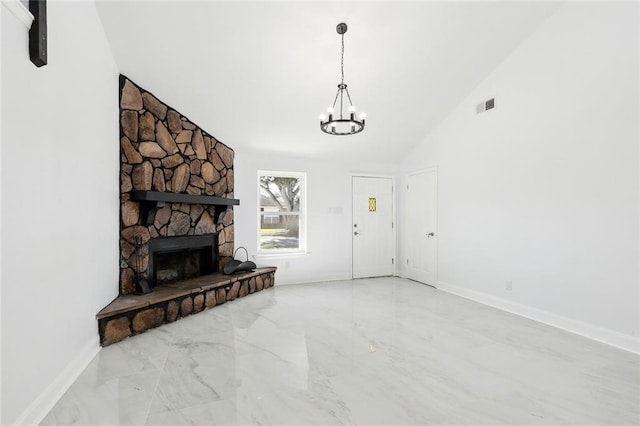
column 131, row 314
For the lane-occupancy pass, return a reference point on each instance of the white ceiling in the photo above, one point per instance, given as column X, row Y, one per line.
column 258, row 75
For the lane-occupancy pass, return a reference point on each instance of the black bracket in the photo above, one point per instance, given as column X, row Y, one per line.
column 38, row 32
column 148, row 210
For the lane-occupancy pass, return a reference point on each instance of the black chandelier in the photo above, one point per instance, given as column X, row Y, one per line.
column 339, row 124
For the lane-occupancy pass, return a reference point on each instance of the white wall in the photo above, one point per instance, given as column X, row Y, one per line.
column 59, row 204
column 2, row 11
column 543, row 190
column 328, row 219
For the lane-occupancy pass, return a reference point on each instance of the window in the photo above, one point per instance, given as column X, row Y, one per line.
column 281, row 212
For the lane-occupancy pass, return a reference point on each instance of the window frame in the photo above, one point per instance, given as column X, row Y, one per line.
column 302, row 214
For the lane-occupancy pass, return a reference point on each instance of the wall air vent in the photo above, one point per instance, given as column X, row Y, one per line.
column 486, row 105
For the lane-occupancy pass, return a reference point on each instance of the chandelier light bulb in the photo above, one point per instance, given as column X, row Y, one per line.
column 352, row 109
column 322, row 117
column 330, row 110
column 363, row 115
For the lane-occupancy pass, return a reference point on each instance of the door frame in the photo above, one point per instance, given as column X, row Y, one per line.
column 433, row 169
column 393, row 215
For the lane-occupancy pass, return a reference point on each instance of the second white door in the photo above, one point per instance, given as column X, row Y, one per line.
column 372, row 227
column 422, row 222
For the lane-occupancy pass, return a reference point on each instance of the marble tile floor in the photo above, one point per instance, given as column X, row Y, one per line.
column 371, row 351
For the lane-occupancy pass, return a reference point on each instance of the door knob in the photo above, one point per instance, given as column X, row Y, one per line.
column 430, row 234
column 356, row 233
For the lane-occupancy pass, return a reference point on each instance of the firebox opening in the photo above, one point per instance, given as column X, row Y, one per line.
column 181, row 265
column 179, row 258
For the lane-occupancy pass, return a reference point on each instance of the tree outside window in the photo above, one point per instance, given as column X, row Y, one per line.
column 281, row 212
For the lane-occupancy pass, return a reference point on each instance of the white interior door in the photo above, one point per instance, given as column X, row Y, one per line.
column 422, row 221
column 372, row 231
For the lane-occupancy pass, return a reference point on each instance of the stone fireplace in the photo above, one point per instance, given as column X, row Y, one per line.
column 172, row 174
column 176, row 220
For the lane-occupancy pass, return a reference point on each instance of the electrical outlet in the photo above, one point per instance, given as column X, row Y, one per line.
column 508, row 285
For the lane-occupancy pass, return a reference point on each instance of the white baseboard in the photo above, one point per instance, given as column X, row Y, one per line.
column 291, row 280
column 41, row 406
column 604, row 335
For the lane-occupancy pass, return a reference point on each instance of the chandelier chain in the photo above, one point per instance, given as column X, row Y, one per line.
column 342, row 60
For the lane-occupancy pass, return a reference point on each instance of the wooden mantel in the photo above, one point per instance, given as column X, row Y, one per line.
column 151, row 200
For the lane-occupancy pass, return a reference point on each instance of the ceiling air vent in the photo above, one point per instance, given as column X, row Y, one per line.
column 486, row 105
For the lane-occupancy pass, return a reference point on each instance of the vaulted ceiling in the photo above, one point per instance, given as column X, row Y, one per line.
column 258, row 75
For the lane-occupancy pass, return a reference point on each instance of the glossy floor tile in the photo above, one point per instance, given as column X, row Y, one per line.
column 370, row 351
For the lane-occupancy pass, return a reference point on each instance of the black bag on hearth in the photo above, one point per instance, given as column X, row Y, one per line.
column 235, row 265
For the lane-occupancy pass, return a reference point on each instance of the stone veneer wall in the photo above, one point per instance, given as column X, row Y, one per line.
column 161, row 150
